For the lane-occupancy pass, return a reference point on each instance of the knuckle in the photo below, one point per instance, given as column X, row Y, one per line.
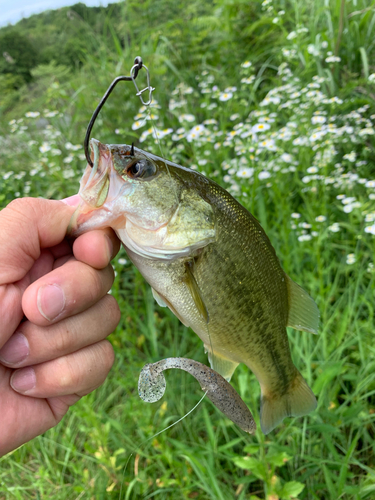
column 111, row 311
column 107, row 354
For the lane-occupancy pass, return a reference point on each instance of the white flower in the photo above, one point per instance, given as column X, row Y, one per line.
column 335, row 227
column 320, row 218
column 324, row 44
column 145, row 134
column 161, row 133
column 122, row 261
column 286, row 157
column 260, row 127
column 312, row 170
column 318, row 119
column 296, row 215
column 138, row 124
column 246, row 64
column 32, row 114
column 248, row 80
column 264, row 175
column 51, row 114
column 333, row 59
column 275, row 20
column 225, row 96
column 312, row 49
column 186, row 118
column 45, row 147
column 68, row 159
column 304, row 237
column 350, row 258
column 196, row 132
column 371, row 78
column 245, row 172
column 366, row 131
column 370, row 229
column 291, row 35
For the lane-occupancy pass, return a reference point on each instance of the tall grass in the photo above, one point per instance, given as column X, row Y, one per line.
column 316, row 219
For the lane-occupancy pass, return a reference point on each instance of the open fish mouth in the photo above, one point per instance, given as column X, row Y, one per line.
column 99, row 187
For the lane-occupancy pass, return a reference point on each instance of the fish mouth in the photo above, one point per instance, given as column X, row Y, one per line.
column 99, row 185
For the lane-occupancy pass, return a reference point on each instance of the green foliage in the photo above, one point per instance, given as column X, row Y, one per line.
column 312, row 189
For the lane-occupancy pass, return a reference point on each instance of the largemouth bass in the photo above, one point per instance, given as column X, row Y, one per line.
column 209, row 260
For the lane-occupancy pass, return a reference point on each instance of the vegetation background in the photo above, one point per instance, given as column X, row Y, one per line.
column 275, row 100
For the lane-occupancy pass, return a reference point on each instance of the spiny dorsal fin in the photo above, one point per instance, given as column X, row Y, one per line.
column 303, row 312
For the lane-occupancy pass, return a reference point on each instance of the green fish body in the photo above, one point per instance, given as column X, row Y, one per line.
column 209, row 260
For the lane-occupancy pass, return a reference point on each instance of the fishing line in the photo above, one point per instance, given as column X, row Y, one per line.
column 141, row 445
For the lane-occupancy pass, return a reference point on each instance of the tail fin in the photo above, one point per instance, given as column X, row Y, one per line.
column 298, row 401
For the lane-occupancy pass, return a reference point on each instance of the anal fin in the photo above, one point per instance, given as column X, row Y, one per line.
column 224, row 366
column 303, row 312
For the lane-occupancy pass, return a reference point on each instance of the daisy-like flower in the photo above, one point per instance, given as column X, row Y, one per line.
column 246, row 64
column 245, row 172
column 138, row 124
column 186, row 118
column 350, row 258
column 305, row 237
column 333, row 59
column 370, row 229
column 335, row 227
column 312, row 170
column 32, row 114
column 286, row 157
column 295, row 215
column 318, row 119
column 225, row 96
column 371, row 78
column 248, row 80
column 260, row 127
column 321, row 218
column 51, row 114
column 264, row 175
column 45, row 147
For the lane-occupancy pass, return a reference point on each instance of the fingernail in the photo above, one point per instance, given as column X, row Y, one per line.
column 72, row 201
column 50, row 301
column 23, row 380
column 110, row 248
column 15, row 350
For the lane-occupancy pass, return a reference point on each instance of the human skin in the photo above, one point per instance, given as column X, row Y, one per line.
column 55, row 315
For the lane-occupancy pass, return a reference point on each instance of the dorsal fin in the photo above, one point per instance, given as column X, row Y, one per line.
column 303, row 312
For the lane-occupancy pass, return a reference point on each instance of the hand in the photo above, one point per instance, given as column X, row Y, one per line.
column 59, row 353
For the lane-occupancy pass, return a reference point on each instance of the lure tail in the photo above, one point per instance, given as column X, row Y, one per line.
column 299, row 400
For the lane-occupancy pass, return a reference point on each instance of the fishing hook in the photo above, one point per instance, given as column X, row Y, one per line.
column 138, row 64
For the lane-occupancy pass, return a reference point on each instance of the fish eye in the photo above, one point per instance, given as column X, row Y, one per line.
column 140, row 169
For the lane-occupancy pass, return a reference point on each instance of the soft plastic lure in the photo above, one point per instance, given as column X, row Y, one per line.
column 151, row 388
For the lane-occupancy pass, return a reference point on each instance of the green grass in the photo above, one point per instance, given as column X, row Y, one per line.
column 104, row 448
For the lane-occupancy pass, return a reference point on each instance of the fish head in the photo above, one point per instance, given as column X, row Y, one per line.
column 152, row 206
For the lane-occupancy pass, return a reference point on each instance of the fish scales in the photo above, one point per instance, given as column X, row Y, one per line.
column 209, row 260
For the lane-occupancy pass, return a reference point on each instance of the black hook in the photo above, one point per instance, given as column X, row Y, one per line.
column 138, row 63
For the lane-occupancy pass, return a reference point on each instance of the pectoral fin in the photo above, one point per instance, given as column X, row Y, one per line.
column 303, row 312
column 195, row 291
column 159, row 299
column 224, row 366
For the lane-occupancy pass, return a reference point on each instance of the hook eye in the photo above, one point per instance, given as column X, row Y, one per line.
column 149, row 88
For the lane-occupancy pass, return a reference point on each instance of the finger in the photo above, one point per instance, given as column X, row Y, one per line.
column 26, row 226
column 32, row 344
column 78, row 373
column 96, row 248
column 65, row 291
